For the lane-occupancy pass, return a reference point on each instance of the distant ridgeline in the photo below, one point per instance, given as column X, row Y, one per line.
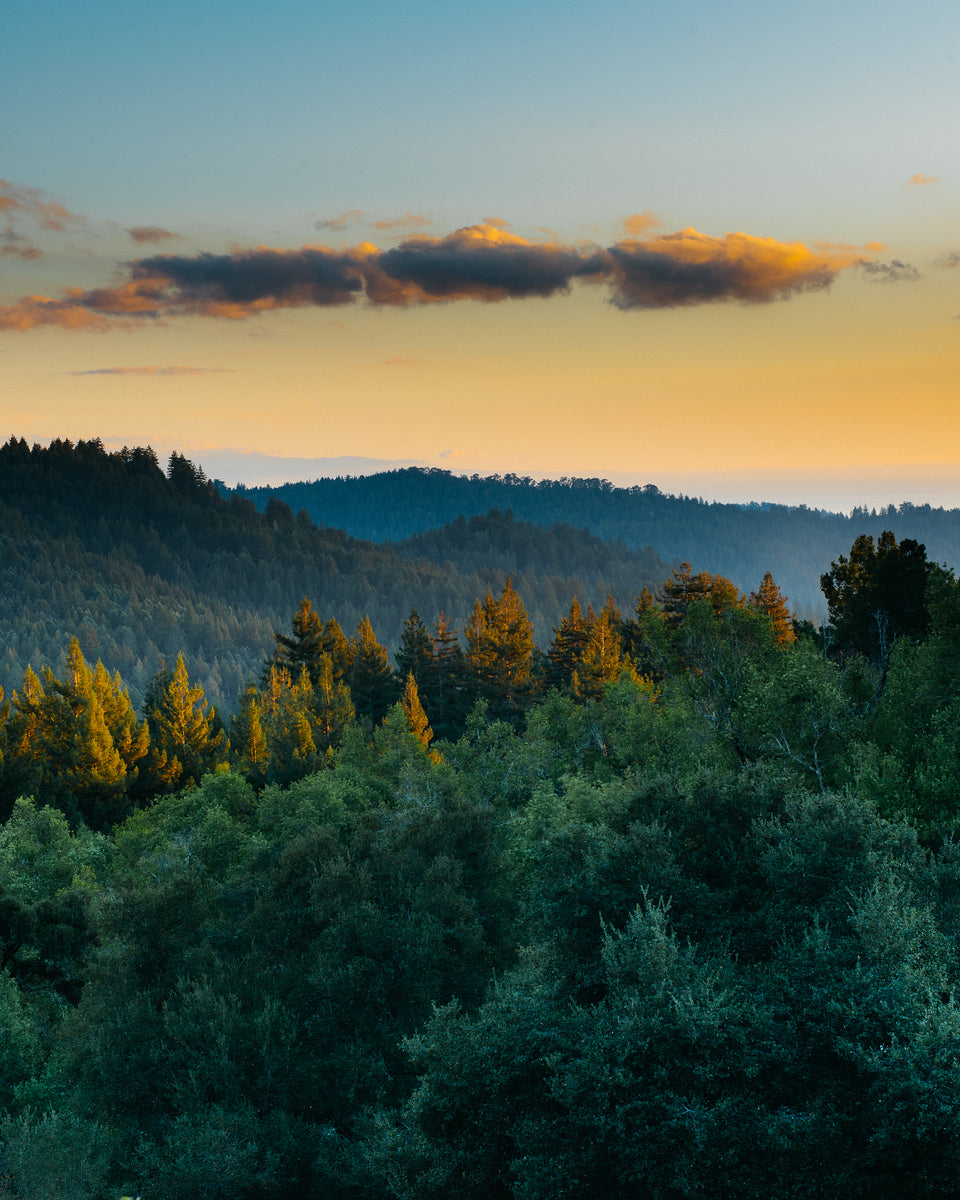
column 741, row 542
column 140, row 565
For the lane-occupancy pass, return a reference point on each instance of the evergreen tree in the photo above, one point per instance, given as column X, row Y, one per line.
column 64, row 746
column 188, row 739
column 248, row 740
column 567, row 649
column 499, row 652
column 304, row 645
column 416, row 717
column 877, row 595
column 601, row 658
column 373, row 686
column 770, row 600
column 291, row 726
column 444, row 688
column 415, row 652
column 332, row 707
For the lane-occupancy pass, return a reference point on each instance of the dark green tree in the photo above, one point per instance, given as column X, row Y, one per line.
column 415, row 652
column 877, row 595
column 373, row 686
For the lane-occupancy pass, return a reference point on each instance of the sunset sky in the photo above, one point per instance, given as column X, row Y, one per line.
column 714, row 247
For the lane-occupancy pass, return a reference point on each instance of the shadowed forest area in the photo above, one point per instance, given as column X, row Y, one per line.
column 411, row 507
column 662, row 904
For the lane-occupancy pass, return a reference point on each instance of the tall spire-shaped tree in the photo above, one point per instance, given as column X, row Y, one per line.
column 373, row 686
column 499, row 652
column 770, row 600
column 416, row 717
column 189, row 738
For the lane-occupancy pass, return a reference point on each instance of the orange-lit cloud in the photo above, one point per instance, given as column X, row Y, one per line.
column 679, row 269
column 150, row 233
column 949, row 259
column 921, row 180
column 155, row 371
column 640, row 223
column 33, row 312
column 342, row 221
column 477, row 262
column 409, row 220
column 48, row 214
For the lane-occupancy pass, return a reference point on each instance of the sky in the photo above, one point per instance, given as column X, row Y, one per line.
column 711, row 247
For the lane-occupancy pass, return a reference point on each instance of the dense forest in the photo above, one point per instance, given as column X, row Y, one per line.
column 665, row 906
column 741, row 542
column 141, row 565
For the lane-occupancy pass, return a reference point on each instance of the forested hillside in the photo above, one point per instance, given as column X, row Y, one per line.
column 740, row 542
column 669, row 910
column 139, row 565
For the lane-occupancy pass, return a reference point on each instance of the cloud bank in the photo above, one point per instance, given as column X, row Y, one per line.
column 483, row 262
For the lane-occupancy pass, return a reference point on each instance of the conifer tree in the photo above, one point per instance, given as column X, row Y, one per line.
column 248, row 739
column 64, row 746
column 373, row 686
column 304, row 645
column 567, row 649
column 416, row 717
column 770, row 600
column 130, row 736
column 443, row 688
column 415, row 652
column 499, row 652
column 188, row 741
column 332, row 706
column 601, row 658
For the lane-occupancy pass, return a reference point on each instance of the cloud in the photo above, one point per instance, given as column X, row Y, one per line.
column 341, row 222
column 639, row 223
column 478, row 262
column 680, row 269
column 16, row 245
column 921, row 180
column 409, row 220
column 155, row 371
column 484, row 262
column 398, row 360
column 894, row 271
column 31, row 202
column 150, row 233
column 948, row 259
